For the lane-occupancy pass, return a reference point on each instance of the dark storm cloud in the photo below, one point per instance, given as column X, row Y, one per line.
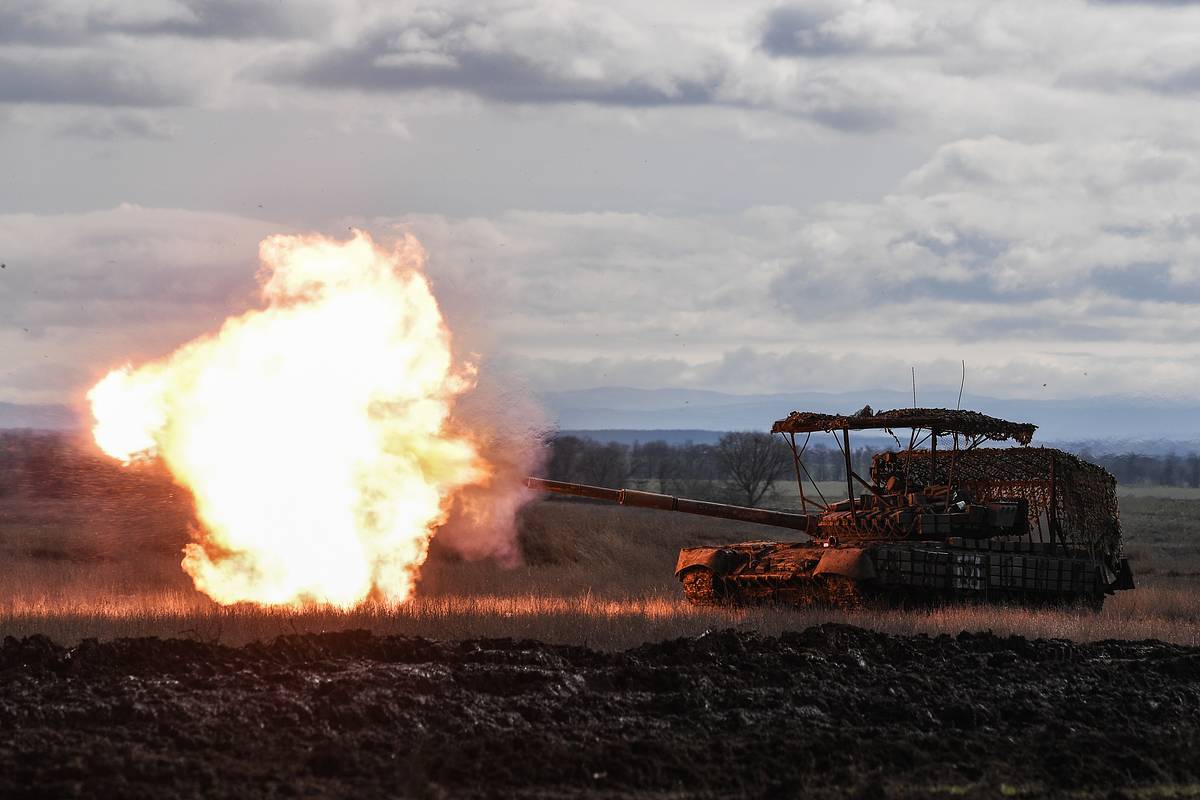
column 85, row 80
column 448, row 59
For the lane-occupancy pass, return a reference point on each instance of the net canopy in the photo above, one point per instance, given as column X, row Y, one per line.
column 1070, row 500
column 940, row 421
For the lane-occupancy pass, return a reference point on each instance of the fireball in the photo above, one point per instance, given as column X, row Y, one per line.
column 312, row 432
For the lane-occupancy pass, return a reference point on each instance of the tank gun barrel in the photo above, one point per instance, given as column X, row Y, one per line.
column 666, row 502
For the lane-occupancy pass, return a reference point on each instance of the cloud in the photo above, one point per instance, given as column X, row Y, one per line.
column 1148, row 281
column 927, row 265
column 995, row 238
column 523, row 54
column 56, row 22
column 120, row 53
column 816, row 369
column 531, row 53
column 1010, row 55
column 1184, row 80
column 856, row 66
column 64, row 22
column 116, row 125
column 1022, row 276
column 91, row 80
column 994, row 250
column 87, row 291
column 1164, row 3
column 236, row 19
column 831, row 28
column 75, row 270
column 538, row 54
column 1010, row 183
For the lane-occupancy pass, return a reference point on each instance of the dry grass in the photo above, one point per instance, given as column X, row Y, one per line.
column 88, row 549
column 587, row 619
column 595, row 575
column 1170, row 492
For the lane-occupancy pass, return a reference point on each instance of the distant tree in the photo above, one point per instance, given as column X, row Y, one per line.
column 752, row 462
column 603, row 464
column 1169, row 471
column 562, row 465
column 1193, row 470
column 742, row 465
column 693, row 471
column 654, row 462
column 1126, row 468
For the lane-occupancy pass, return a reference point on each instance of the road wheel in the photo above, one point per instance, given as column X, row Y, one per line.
column 700, row 587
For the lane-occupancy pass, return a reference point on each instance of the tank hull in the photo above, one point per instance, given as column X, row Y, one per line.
column 892, row 573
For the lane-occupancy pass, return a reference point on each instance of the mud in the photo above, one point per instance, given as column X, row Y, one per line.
column 830, row 711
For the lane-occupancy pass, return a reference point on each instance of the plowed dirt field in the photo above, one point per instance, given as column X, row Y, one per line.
column 831, row 711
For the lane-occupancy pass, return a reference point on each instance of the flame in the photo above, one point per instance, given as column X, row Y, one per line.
column 312, row 432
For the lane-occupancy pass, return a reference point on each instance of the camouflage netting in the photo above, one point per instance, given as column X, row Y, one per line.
column 1071, row 501
column 942, row 421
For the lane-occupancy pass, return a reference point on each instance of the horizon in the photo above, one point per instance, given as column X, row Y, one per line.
column 1144, row 423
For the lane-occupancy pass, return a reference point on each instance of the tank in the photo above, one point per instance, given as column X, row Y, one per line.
column 952, row 516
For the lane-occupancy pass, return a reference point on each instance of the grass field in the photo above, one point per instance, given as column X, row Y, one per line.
column 99, row 565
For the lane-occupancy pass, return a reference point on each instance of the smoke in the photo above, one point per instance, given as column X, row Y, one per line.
column 506, row 423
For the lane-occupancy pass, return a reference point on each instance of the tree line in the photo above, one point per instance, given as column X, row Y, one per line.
column 742, row 466
column 739, row 468
column 1171, row 469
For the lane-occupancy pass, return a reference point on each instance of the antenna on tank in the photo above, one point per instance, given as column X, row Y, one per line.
column 961, row 384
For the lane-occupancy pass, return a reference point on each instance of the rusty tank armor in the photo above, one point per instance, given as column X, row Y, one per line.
column 1030, row 525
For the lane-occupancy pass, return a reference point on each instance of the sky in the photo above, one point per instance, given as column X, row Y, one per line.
column 745, row 197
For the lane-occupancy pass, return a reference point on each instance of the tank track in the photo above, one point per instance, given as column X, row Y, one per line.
column 701, row 588
column 826, row 591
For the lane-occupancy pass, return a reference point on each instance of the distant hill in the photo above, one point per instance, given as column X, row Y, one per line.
column 612, row 413
column 1101, row 422
column 630, row 436
column 678, row 437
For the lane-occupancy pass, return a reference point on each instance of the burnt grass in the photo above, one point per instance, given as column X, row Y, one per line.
column 830, row 711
